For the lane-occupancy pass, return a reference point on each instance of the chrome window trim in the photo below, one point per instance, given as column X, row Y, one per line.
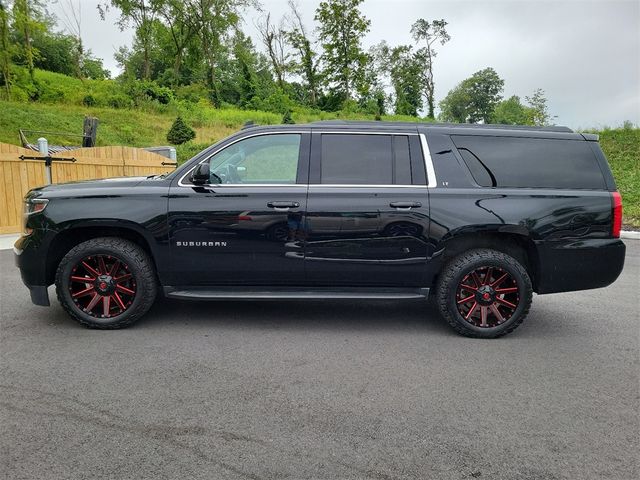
column 258, row 134
column 361, row 185
column 431, row 176
column 428, row 162
column 363, row 132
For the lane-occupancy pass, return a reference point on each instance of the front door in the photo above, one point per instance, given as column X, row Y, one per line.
column 245, row 226
column 367, row 219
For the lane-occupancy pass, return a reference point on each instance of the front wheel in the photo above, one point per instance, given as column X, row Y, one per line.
column 106, row 283
column 484, row 293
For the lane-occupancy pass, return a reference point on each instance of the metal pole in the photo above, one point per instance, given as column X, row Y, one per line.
column 43, row 148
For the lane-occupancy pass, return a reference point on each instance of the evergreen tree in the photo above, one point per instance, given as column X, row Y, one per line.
column 180, row 132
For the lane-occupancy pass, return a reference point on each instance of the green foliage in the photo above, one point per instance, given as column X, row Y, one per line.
column 342, row 27
column 538, row 107
column 144, row 90
column 622, row 148
column 512, row 112
column 474, row 99
column 304, row 62
column 89, row 100
column 180, row 132
column 287, row 119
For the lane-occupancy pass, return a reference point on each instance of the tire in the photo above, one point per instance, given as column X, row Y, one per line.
column 120, row 284
column 497, row 290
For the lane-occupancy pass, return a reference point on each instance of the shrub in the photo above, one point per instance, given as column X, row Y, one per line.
column 89, row 100
column 119, row 101
column 180, row 132
column 287, row 119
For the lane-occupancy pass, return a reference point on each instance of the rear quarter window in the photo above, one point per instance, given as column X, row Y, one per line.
column 530, row 162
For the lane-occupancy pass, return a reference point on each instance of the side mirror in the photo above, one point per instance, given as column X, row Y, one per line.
column 201, row 176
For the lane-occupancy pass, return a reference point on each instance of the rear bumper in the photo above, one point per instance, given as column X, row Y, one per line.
column 578, row 265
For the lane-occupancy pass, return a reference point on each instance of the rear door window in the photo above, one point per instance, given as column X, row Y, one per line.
column 364, row 159
column 530, row 162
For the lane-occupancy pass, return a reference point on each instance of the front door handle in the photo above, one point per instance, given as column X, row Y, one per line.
column 282, row 206
column 405, row 205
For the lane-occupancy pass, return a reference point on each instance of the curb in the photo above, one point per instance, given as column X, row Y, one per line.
column 630, row 235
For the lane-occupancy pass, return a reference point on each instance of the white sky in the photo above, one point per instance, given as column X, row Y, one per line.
column 585, row 54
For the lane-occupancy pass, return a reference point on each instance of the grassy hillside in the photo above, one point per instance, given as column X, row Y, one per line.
column 622, row 148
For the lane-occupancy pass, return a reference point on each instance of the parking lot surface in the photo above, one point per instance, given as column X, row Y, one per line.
column 321, row 390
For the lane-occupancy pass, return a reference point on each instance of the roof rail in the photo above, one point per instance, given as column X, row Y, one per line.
column 552, row 128
column 249, row 124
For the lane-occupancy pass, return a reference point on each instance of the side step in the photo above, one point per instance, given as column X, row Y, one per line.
column 292, row 293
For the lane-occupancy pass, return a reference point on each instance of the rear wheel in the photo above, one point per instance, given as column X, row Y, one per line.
column 484, row 293
column 106, row 283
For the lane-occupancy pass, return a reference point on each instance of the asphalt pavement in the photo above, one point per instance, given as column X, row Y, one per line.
column 321, row 390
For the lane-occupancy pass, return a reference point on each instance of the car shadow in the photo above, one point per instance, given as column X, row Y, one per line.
column 342, row 315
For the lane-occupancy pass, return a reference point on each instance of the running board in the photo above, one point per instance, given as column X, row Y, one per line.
column 283, row 293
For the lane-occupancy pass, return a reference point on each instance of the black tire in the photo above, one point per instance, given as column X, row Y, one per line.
column 135, row 265
column 471, row 269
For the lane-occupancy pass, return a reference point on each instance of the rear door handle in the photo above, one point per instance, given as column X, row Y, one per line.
column 282, row 206
column 405, row 205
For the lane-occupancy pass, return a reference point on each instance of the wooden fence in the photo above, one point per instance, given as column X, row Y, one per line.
column 18, row 176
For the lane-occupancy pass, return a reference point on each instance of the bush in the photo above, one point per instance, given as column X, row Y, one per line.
column 286, row 118
column 89, row 100
column 119, row 101
column 180, row 132
column 144, row 90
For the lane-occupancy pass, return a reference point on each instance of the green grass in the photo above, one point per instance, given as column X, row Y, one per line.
column 622, row 148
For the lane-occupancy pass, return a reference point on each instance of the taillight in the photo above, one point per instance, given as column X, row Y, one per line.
column 616, row 200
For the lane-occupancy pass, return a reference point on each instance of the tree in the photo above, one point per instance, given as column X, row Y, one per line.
column 72, row 21
column 473, row 100
column 5, row 45
column 342, row 27
column 306, row 64
column 274, row 39
column 180, row 132
column 215, row 18
column 141, row 13
column 25, row 23
column 512, row 112
column 183, row 28
column 539, row 110
column 406, row 78
column 430, row 33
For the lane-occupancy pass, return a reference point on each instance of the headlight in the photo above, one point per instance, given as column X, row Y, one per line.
column 31, row 206
column 35, row 205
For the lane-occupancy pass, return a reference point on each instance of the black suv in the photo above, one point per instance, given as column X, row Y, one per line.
column 481, row 216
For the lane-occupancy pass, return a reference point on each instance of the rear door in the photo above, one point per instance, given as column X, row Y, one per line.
column 367, row 217
column 245, row 226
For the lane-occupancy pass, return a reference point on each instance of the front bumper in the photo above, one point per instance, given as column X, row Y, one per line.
column 578, row 265
column 30, row 258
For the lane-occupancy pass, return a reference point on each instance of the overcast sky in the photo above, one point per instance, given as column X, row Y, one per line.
column 585, row 54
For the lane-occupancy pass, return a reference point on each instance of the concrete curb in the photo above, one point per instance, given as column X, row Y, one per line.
column 629, row 235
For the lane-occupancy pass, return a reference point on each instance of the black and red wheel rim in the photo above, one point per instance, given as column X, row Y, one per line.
column 102, row 286
column 487, row 297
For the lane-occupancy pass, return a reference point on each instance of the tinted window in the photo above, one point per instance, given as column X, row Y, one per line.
column 263, row 159
column 365, row 159
column 530, row 162
column 401, row 160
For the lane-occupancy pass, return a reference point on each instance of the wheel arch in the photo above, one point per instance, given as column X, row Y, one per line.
column 68, row 238
column 513, row 243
